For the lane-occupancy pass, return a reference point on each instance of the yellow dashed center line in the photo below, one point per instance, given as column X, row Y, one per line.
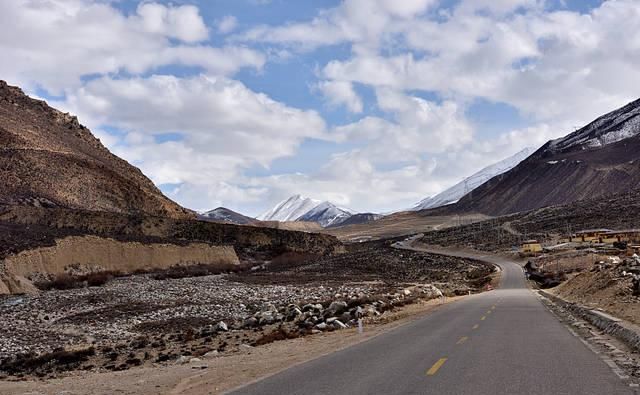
column 484, row 317
column 475, row 326
column 436, row 366
column 462, row 339
column 489, row 312
column 493, row 307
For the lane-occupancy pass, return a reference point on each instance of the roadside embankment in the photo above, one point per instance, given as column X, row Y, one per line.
column 624, row 331
column 88, row 254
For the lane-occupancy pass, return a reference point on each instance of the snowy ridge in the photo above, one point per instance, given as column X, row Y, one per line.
column 327, row 214
column 453, row 194
column 290, row 209
column 300, row 208
column 608, row 129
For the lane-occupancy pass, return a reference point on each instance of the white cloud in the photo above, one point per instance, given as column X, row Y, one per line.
column 418, row 127
column 559, row 69
column 183, row 22
column 227, row 24
column 362, row 22
column 341, row 93
column 224, row 128
column 509, row 51
column 53, row 44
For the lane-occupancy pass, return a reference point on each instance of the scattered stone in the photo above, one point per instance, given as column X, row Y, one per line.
column 338, row 324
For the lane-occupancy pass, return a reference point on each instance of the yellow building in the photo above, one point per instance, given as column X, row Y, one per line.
column 531, row 247
column 590, row 235
column 627, row 236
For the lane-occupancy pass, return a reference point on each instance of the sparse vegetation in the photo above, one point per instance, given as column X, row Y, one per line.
column 69, row 281
column 198, row 270
column 60, row 360
column 276, row 335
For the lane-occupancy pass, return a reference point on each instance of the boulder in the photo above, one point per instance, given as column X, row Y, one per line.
column 222, row 327
column 335, row 308
column 338, row 324
column 250, row 322
column 345, row 317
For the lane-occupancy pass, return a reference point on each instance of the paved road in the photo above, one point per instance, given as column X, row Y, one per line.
column 499, row 342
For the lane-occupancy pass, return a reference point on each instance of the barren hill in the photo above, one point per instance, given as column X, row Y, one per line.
column 48, row 158
column 600, row 159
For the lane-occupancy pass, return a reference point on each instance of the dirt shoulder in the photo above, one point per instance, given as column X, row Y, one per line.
column 217, row 374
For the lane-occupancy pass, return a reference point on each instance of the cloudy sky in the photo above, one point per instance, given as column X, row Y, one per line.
column 372, row 104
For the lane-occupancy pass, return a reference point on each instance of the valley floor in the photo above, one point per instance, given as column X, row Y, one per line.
column 154, row 321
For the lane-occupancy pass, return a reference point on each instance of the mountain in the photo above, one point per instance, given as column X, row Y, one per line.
column 453, row 194
column 224, row 215
column 358, row 219
column 47, row 158
column 290, row 209
column 326, row 214
column 303, row 209
column 599, row 159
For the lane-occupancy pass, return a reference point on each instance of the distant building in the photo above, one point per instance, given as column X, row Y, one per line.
column 589, row 236
column 605, row 236
column 531, row 247
column 631, row 236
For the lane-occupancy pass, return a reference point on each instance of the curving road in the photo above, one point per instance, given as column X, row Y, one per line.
column 499, row 342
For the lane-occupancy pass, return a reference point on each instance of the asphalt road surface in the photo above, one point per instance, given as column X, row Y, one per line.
column 499, row 342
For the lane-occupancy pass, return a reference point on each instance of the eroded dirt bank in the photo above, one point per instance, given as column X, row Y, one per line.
column 85, row 254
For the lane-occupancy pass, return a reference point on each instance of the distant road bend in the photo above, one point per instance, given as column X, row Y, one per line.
column 499, row 342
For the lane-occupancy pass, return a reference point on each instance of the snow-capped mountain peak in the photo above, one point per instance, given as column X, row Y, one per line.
column 327, row 214
column 453, row 194
column 290, row 209
column 300, row 208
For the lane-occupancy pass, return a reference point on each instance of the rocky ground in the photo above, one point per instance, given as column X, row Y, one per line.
column 150, row 319
column 612, row 285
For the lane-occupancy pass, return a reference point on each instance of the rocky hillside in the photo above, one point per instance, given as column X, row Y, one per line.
column 47, row 158
column 615, row 211
column 600, row 159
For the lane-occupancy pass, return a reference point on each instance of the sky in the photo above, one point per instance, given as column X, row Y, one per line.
column 371, row 104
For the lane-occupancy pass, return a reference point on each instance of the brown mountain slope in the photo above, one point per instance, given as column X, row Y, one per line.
column 599, row 159
column 48, row 158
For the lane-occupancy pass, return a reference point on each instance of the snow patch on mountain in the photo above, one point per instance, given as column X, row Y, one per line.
column 453, row 194
column 290, row 209
column 300, row 208
column 222, row 214
column 327, row 214
column 608, row 129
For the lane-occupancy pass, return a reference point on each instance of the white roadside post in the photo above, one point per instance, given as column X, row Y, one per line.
column 360, row 328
